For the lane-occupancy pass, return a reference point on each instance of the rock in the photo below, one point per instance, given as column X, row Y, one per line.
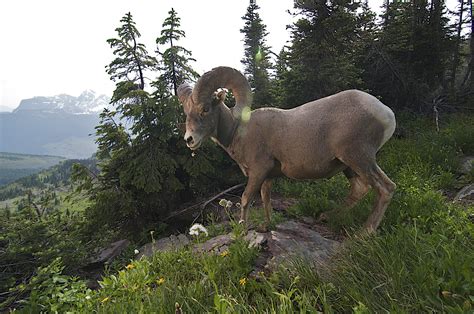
column 308, row 220
column 467, row 164
column 257, row 239
column 165, row 244
column 465, row 194
column 295, row 239
column 109, row 253
column 217, row 244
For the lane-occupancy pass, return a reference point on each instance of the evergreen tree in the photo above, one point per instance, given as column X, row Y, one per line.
column 132, row 59
column 256, row 59
column 410, row 57
column 323, row 55
column 174, row 65
column 146, row 169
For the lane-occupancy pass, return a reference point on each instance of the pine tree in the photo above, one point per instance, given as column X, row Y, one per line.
column 256, row 59
column 174, row 65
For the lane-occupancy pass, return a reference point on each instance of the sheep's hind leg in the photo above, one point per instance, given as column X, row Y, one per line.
column 384, row 188
column 358, row 190
column 368, row 171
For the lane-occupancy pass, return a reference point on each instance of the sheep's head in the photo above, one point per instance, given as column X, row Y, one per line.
column 201, row 103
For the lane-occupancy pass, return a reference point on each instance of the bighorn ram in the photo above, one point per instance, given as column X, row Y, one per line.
column 342, row 132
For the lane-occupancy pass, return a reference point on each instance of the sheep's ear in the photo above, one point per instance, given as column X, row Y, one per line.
column 219, row 96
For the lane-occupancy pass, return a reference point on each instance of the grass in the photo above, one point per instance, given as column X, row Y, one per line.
column 421, row 260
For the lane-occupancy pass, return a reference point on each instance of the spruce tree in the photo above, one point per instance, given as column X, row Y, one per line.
column 256, row 59
column 175, row 59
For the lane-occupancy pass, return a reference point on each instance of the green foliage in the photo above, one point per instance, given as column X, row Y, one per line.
column 256, row 59
column 28, row 242
column 51, row 291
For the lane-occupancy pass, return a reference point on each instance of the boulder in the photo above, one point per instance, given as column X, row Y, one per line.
column 296, row 239
column 165, row 244
column 467, row 163
column 106, row 255
column 465, row 194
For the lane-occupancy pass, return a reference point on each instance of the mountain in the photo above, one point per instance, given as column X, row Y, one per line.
column 60, row 125
column 86, row 103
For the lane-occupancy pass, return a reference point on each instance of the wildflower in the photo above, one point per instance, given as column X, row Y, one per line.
column 160, row 281
column 446, row 293
column 243, row 281
column 136, row 251
column 105, row 300
column 196, row 229
column 224, row 254
column 193, row 154
column 229, row 204
column 88, row 297
column 237, row 205
column 130, row 266
column 178, row 309
column 223, row 202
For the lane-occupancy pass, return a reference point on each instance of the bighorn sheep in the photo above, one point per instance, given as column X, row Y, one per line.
column 342, row 132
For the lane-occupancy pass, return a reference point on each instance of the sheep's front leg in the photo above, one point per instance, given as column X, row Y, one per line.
column 253, row 186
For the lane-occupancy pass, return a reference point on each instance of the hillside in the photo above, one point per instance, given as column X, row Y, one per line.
column 54, row 179
column 14, row 166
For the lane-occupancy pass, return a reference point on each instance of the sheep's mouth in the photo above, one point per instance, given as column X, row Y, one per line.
column 195, row 146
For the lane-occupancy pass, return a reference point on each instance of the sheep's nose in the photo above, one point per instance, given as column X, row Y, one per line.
column 189, row 140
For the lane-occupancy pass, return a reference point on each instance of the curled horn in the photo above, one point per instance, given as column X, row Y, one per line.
column 184, row 91
column 228, row 78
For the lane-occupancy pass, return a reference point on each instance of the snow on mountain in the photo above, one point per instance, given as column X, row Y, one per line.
column 86, row 103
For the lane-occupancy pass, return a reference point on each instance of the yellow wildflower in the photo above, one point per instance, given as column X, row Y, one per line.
column 224, row 254
column 130, row 266
column 160, row 281
column 243, row 281
column 105, row 299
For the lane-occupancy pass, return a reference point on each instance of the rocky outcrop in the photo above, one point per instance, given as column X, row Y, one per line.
column 290, row 239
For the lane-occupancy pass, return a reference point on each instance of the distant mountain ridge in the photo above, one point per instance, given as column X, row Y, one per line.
column 86, row 103
column 60, row 125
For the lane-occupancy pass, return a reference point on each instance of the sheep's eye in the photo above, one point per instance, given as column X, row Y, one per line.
column 204, row 110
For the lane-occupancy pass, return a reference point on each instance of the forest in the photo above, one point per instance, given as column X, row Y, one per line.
column 417, row 57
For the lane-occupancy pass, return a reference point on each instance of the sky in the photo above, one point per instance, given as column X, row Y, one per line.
column 51, row 47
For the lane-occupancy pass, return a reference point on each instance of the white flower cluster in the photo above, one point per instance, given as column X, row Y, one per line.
column 225, row 203
column 196, row 229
